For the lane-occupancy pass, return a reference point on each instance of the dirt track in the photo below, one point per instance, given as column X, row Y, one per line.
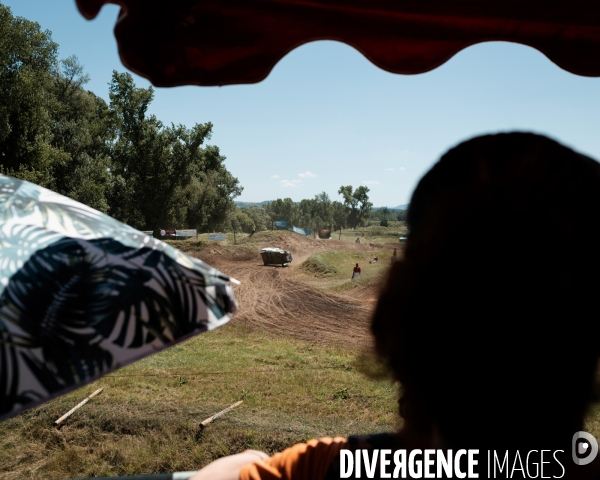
column 271, row 298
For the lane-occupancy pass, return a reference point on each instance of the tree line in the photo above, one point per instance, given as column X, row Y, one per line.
column 385, row 214
column 320, row 212
column 113, row 156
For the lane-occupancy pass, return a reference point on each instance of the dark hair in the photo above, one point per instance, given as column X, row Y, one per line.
column 490, row 319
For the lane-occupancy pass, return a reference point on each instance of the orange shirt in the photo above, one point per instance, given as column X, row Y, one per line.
column 304, row 461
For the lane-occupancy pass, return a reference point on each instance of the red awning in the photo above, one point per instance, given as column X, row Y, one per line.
column 220, row 42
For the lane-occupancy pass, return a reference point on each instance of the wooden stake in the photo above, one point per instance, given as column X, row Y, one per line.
column 70, row 412
column 204, row 423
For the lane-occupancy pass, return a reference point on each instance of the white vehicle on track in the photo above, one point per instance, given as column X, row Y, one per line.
column 276, row 256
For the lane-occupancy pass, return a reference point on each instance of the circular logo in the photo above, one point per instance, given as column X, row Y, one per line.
column 585, row 448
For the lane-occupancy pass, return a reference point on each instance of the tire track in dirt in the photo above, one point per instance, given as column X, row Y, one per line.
column 272, row 299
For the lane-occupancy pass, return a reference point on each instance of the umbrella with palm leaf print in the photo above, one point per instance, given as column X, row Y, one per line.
column 82, row 294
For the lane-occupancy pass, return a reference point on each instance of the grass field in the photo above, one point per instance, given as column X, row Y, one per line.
column 373, row 233
column 146, row 420
column 332, row 270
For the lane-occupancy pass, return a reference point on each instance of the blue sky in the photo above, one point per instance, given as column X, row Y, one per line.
column 327, row 117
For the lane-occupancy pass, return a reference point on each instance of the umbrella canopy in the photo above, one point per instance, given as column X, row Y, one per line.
column 212, row 42
column 82, row 294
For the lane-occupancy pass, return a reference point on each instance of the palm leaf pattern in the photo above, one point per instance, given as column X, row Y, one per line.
column 23, row 203
column 82, row 294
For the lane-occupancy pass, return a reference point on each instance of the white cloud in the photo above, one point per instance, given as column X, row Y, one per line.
column 370, row 182
column 402, row 168
column 290, row 183
column 297, row 182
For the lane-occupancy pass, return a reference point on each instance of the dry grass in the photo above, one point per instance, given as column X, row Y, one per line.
column 146, row 424
column 332, row 270
column 374, row 233
column 146, row 420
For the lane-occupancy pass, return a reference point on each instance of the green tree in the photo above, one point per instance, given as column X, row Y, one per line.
column 224, row 187
column 357, row 203
column 196, row 203
column 114, row 157
column 324, row 210
column 384, row 213
column 154, row 166
column 340, row 215
column 309, row 215
column 27, row 57
column 260, row 217
column 235, row 223
column 244, row 222
column 81, row 129
column 283, row 209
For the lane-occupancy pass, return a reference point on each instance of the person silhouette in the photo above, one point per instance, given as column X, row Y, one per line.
column 355, row 272
column 494, row 339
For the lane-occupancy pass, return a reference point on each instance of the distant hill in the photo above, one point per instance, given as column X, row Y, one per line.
column 399, row 207
column 249, row 204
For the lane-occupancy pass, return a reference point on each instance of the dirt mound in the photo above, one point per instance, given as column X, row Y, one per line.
column 288, row 241
column 318, row 266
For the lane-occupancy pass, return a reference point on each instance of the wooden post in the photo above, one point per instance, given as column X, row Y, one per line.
column 340, row 234
column 81, row 404
column 204, row 423
column 234, row 240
